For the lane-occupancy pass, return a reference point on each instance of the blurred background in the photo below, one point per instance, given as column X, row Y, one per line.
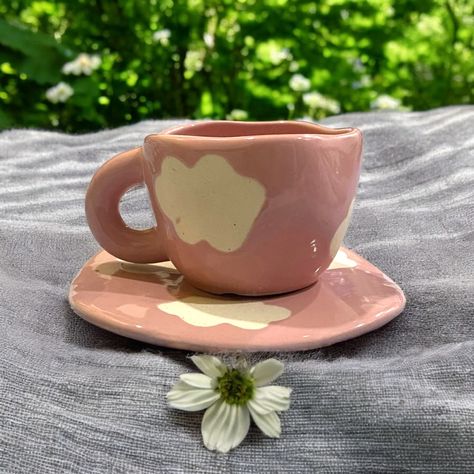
column 80, row 65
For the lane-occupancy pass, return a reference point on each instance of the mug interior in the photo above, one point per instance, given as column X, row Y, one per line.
column 224, row 128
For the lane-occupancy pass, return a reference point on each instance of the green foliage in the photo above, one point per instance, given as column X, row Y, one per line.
column 223, row 55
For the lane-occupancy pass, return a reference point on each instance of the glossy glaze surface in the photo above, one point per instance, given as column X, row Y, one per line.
column 251, row 208
column 155, row 304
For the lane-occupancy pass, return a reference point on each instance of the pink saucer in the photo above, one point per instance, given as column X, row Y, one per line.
column 153, row 303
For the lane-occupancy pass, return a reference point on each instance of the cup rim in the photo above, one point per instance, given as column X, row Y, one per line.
column 307, row 130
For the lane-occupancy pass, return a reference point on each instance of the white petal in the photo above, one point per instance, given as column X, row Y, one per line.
column 271, row 398
column 224, row 426
column 258, row 408
column 212, row 423
column 197, row 380
column 185, row 397
column 210, row 365
column 269, row 423
column 266, row 371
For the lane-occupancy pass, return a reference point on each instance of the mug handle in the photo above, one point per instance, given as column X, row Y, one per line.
column 110, row 182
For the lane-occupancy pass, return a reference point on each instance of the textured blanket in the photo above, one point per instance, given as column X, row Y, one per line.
column 75, row 398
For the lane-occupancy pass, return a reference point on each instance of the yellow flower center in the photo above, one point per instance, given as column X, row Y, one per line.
column 235, row 387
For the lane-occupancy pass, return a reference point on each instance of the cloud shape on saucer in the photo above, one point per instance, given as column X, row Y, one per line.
column 206, row 311
column 210, row 201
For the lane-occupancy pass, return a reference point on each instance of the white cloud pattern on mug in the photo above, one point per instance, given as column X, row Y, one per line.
column 209, row 201
column 336, row 241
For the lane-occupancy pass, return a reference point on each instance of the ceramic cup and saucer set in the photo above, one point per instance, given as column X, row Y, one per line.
column 246, row 254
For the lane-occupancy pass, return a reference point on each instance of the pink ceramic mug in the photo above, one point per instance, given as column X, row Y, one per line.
column 251, row 208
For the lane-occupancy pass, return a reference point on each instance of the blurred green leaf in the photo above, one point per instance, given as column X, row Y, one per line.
column 6, row 121
column 41, row 56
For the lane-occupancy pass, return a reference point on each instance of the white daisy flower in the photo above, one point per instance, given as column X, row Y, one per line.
column 299, row 83
column 83, row 64
column 385, row 102
column 59, row 93
column 231, row 395
column 162, row 36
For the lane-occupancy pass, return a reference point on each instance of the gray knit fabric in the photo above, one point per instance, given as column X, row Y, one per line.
column 75, row 398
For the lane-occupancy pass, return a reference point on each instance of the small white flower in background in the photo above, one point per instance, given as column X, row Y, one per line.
column 277, row 56
column 315, row 100
column 294, row 66
column 332, row 105
column 385, row 102
column 357, row 65
column 231, row 395
column 344, row 14
column 209, row 40
column 162, row 37
column 194, row 60
column 299, row 83
column 365, row 81
column 83, row 64
column 237, row 114
column 59, row 93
